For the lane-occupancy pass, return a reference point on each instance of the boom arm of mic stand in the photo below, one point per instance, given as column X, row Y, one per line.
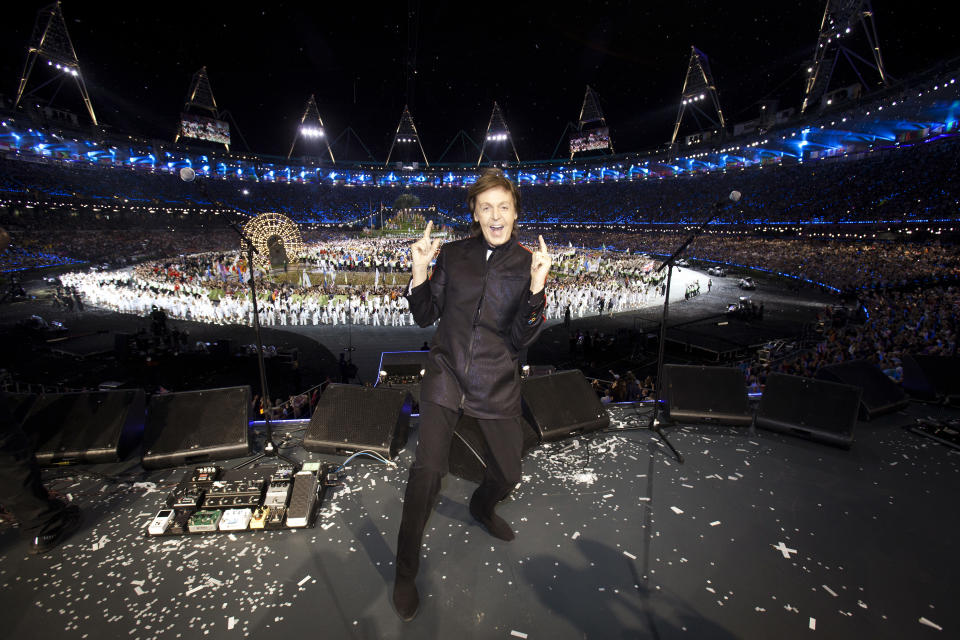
column 686, row 243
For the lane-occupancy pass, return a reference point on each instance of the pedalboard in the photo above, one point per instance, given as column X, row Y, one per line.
column 209, row 499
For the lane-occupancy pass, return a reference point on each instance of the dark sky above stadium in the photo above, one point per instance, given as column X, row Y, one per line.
column 535, row 59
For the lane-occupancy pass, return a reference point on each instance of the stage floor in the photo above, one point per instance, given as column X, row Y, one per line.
column 755, row 535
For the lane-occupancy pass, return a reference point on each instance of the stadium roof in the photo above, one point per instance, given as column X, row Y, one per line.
column 532, row 59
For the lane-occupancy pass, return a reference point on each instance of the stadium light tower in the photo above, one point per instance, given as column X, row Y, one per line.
column 51, row 42
column 404, row 139
column 498, row 133
column 209, row 126
column 840, row 19
column 593, row 133
column 311, row 127
column 698, row 88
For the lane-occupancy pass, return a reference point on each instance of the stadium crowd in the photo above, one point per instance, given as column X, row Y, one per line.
column 894, row 184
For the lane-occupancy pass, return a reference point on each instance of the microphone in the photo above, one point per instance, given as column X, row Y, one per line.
column 187, row 174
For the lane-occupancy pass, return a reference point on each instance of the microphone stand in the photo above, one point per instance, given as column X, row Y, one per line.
column 654, row 424
column 270, row 448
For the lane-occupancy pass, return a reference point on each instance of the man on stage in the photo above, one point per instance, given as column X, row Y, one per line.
column 487, row 292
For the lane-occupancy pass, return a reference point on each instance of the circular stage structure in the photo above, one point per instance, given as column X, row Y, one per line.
column 276, row 238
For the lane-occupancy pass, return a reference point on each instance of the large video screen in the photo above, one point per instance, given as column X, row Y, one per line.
column 201, row 128
column 592, row 141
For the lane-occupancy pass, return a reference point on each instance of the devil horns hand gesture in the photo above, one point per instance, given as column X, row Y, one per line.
column 539, row 268
column 422, row 252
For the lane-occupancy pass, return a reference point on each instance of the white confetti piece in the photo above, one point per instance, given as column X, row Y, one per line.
column 607, row 496
column 629, row 555
column 782, row 548
column 139, row 591
column 518, row 634
column 644, row 499
column 676, row 510
column 813, row 624
column 714, row 523
column 829, row 590
column 304, row 581
column 930, row 623
column 195, row 589
column 576, row 534
column 231, row 623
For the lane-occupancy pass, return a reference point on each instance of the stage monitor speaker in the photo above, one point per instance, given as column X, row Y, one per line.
column 403, row 371
column 561, row 405
column 193, row 427
column 706, row 394
column 931, row 377
column 469, row 450
column 351, row 418
column 880, row 395
column 821, row 410
column 100, row 426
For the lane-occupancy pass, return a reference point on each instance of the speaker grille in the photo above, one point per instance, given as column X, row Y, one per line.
column 880, row 394
column 716, row 394
column 350, row 417
column 196, row 426
column 101, row 426
column 561, row 405
column 826, row 411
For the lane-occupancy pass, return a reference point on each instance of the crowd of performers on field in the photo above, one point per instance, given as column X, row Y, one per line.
column 326, row 288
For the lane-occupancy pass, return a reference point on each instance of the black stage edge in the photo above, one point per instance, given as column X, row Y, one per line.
column 756, row 536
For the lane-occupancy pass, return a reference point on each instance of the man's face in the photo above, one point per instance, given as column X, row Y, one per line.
column 496, row 213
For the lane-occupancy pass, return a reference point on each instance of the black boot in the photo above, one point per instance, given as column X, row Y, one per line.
column 406, row 599
column 419, row 498
column 482, row 510
column 71, row 519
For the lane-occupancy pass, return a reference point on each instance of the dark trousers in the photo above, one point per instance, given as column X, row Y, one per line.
column 21, row 490
column 505, row 442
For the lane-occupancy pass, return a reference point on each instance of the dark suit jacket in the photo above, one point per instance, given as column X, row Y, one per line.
column 487, row 316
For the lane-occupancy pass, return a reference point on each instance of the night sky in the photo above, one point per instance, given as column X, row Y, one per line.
column 535, row 60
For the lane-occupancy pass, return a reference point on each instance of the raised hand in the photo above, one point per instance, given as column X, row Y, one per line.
column 539, row 268
column 423, row 250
